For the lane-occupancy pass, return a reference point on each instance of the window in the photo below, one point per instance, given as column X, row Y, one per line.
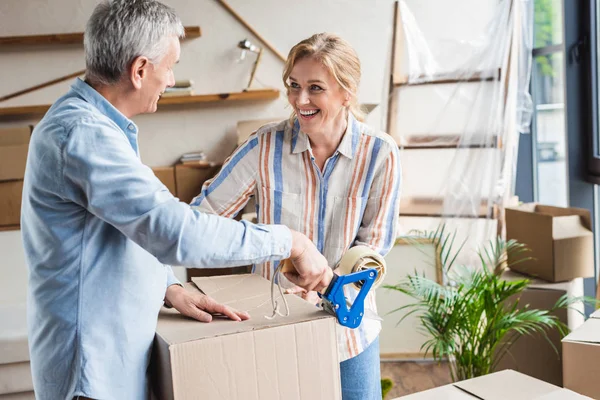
column 547, row 90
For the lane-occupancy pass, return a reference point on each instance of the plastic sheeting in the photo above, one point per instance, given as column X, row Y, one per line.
column 459, row 100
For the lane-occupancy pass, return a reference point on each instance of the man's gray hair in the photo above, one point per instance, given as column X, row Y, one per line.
column 121, row 30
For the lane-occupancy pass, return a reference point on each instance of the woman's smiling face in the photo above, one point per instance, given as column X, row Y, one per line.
column 318, row 99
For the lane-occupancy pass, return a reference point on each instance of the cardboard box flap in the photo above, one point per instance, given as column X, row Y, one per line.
column 552, row 212
column 507, row 384
column 15, row 136
column 568, row 227
column 526, row 207
column 250, row 293
column 583, row 213
column 589, row 332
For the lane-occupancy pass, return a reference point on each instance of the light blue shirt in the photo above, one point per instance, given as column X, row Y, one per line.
column 98, row 228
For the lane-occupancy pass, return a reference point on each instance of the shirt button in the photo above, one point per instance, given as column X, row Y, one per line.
column 282, row 249
column 130, row 127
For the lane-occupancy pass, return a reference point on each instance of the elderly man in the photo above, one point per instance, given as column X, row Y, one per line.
column 99, row 227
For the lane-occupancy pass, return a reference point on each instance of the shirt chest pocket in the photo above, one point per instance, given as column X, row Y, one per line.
column 347, row 214
column 278, row 207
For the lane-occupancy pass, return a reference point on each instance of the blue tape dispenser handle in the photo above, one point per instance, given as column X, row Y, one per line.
column 334, row 300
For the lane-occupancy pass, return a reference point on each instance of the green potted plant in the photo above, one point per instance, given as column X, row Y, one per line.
column 471, row 318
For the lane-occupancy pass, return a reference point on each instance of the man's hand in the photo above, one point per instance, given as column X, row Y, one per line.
column 311, row 269
column 199, row 306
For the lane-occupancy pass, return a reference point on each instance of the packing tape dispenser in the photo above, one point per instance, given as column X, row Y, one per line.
column 363, row 269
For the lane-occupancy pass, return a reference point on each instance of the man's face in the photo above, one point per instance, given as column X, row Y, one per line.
column 159, row 77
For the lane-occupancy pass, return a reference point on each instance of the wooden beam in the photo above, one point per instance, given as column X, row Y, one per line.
column 252, row 30
column 398, row 44
column 69, row 38
column 41, row 85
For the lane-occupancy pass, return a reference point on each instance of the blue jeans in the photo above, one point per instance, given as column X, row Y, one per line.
column 361, row 375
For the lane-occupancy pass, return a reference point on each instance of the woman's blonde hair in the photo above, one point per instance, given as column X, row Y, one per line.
column 337, row 56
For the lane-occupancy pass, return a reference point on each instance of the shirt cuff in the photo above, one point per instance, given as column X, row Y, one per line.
column 282, row 241
column 171, row 279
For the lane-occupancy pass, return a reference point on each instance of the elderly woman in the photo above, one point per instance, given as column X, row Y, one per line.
column 326, row 174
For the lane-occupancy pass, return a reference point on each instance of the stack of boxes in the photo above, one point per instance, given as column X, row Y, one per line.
column 14, row 143
column 562, row 254
column 15, row 374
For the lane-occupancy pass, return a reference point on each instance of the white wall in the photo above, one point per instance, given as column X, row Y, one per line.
column 210, row 61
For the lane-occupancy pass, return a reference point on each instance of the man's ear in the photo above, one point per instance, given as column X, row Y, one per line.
column 138, row 71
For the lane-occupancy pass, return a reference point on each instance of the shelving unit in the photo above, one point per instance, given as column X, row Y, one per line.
column 68, row 38
column 19, row 112
column 433, row 206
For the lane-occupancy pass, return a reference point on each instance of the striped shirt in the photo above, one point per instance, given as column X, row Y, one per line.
column 353, row 201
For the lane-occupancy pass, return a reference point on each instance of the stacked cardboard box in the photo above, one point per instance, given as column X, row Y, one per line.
column 538, row 355
column 14, row 144
column 562, row 250
column 560, row 239
column 581, row 355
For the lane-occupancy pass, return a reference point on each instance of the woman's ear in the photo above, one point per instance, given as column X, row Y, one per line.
column 347, row 100
column 138, row 71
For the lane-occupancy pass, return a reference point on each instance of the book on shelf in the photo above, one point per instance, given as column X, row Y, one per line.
column 183, row 83
column 175, row 92
column 199, row 163
column 195, row 156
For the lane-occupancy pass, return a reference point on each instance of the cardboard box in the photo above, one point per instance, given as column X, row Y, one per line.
column 581, row 358
column 10, row 202
column 501, row 385
column 190, row 178
column 292, row 357
column 14, row 143
column 167, row 176
column 532, row 355
column 561, row 241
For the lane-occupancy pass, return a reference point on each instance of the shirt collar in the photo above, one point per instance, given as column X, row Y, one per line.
column 347, row 146
column 90, row 95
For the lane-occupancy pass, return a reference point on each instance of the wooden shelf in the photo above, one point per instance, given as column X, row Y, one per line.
column 7, row 113
column 416, row 142
column 69, row 38
column 456, row 77
column 433, row 207
column 10, row 228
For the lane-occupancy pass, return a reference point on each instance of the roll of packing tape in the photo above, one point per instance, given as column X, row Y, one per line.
column 359, row 258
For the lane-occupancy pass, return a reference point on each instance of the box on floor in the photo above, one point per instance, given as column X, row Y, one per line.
column 560, row 239
column 15, row 372
column 502, row 385
column 14, row 144
column 532, row 354
column 292, row 357
column 581, row 358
